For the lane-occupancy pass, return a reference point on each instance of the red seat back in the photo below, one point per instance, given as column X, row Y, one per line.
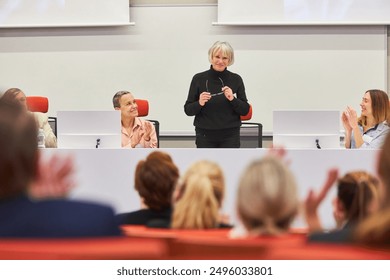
column 37, row 104
column 105, row 248
column 248, row 116
column 143, row 107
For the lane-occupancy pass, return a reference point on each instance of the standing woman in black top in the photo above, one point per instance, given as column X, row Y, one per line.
column 217, row 99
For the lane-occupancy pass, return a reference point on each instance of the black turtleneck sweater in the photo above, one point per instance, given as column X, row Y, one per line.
column 218, row 112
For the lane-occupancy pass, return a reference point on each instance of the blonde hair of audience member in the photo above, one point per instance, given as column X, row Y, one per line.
column 198, row 197
column 267, row 200
column 375, row 230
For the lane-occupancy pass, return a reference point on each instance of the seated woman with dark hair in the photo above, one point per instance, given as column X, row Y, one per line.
column 155, row 179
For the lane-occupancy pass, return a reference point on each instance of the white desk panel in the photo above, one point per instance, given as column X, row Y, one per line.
column 107, row 175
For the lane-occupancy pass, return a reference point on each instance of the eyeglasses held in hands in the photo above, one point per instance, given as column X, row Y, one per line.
column 215, row 94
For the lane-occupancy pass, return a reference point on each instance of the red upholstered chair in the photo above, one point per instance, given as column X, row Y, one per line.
column 37, row 104
column 104, row 248
column 322, row 251
column 143, row 111
column 145, row 232
column 41, row 104
column 250, row 125
column 143, row 107
column 248, row 116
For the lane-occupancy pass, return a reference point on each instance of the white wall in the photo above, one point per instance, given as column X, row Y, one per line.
column 282, row 67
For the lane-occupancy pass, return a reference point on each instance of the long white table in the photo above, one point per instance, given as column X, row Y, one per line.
column 107, row 175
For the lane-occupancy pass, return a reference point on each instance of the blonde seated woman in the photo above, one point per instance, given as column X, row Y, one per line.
column 198, row 198
column 41, row 119
column 267, row 199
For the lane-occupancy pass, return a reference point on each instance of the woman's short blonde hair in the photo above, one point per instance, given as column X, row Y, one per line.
column 267, row 199
column 226, row 49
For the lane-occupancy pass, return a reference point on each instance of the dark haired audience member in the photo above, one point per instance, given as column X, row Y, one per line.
column 29, row 188
column 155, row 179
column 357, row 198
column 375, row 230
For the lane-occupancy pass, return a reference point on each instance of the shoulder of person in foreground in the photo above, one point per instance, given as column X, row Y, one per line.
column 337, row 236
column 56, row 218
column 144, row 217
column 71, row 218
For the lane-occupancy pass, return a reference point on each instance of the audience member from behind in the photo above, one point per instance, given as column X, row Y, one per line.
column 136, row 132
column 217, row 99
column 40, row 118
column 267, row 198
column 357, row 198
column 368, row 131
column 198, row 198
column 155, row 180
column 25, row 209
column 375, row 230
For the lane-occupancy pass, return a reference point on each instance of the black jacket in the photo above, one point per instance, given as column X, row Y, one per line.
column 218, row 112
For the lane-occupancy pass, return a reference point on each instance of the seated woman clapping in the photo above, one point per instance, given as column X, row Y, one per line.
column 370, row 129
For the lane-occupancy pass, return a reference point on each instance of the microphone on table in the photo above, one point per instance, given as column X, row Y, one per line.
column 97, row 143
column 318, row 144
